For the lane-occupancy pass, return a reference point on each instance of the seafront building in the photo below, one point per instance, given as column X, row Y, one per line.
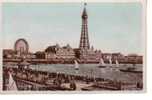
column 57, row 52
column 8, row 53
column 40, row 55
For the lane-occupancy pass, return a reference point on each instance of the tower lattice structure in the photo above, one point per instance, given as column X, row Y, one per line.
column 84, row 39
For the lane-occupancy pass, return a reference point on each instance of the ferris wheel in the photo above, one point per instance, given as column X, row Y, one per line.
column 21, row 46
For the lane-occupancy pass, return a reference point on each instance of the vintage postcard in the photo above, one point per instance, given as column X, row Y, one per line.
column 73, row 47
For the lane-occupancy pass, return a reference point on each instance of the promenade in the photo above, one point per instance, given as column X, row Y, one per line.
column 27, row 79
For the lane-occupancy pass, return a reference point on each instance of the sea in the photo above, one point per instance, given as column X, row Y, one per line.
column 111, row 72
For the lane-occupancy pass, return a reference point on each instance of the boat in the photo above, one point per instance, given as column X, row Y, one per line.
column 101, row 64
column 117, row 63
column 76, row 65
column 131, row 69
column 110, row 62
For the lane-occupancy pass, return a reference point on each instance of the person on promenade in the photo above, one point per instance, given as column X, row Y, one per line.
column 73, row 85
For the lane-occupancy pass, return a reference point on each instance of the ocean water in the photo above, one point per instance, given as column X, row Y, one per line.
column 92, row 70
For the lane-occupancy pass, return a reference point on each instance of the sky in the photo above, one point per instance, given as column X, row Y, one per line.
column 112, row 27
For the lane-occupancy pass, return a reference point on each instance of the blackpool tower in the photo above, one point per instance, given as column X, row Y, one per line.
column 84, row 39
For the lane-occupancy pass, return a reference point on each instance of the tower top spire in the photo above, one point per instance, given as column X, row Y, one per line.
column 84, row 14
